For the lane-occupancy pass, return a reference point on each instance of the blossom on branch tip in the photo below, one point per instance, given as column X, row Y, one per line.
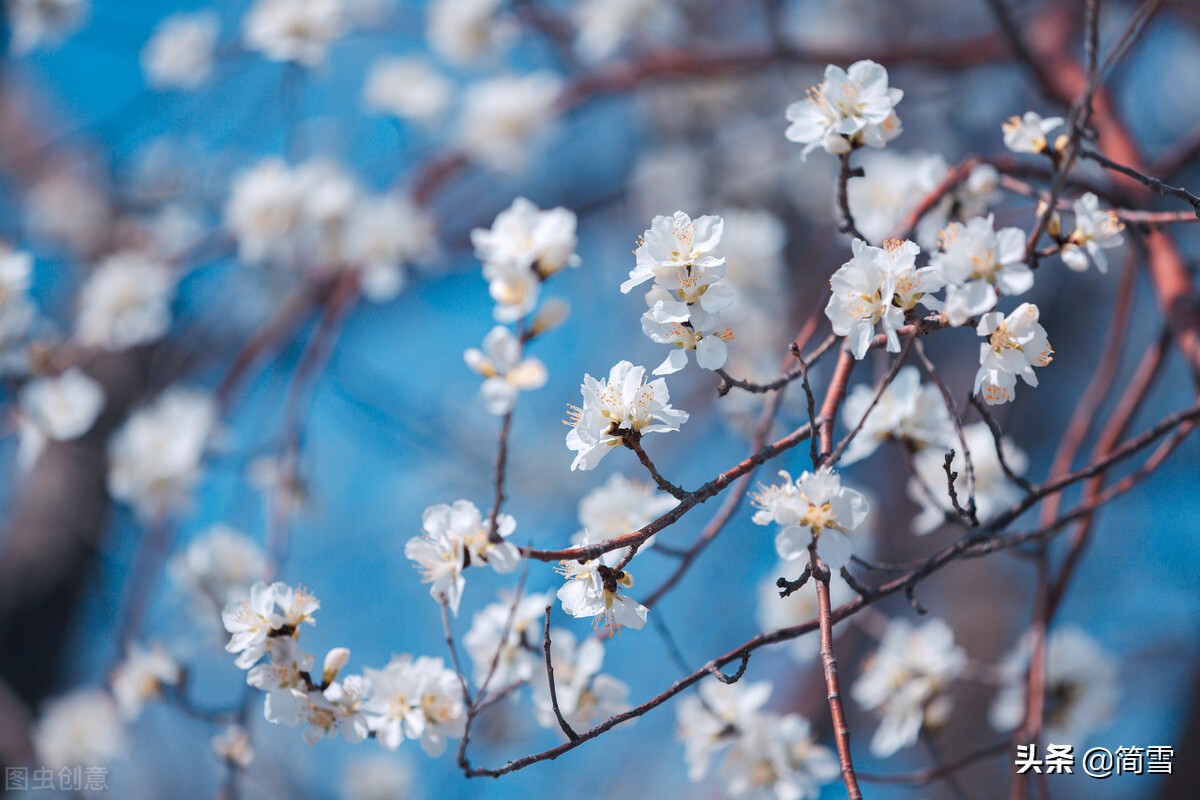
column 1015, row 345
column 1027, row 133
column 1095, row 231
column 849, row 109
column 878, row 285
column 977, row 264
column 524, row 247
column 813, row 507
column 452, row 538
column 594, row 589
column 619, row 406
column 505, row 371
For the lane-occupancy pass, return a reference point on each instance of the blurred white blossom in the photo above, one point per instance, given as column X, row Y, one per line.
column 505, row 368
column 57, row 408
column 297, row 31
column 154, row 458
column 179, row 54
column 81, row 728
column 905, row 681
column 501, row 115
column 993, row 491
column 1080, row 683
column 125, row 302
column 408, row 89
column 43, row 23
column 141, row 676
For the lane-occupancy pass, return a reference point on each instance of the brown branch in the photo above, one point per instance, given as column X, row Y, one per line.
column 633, row 440
column 1154, row 184
column 882, row 387
column 833, row 401
column 841, row 731
column 969, row 512
column 845, row 173
column 998, row 443
column 562, row 722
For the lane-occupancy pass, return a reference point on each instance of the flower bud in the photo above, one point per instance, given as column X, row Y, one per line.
column 334, row 661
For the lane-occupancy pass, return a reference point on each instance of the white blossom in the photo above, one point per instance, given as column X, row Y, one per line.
column 125, row 302
column 816, row 506
column 1015, row 345
column 219, row 566
column 517, row 655
column 179, row 54
column 501, row 115
column 604, row 25
column 408, row 89
column 43, row 23
column 905, row 681
column 141, row 676
column 233, row 745
column 1080, row 684
column 298, row 31
column 269, row 609
column 453, row 537
column 382, row 234
column 710, row 719
column 1095, row 231
column 907, row 411
column 419, row 699
column 620, row 506
column 993, row 491
column 877, row 286
column 462, row 31
column 524, row 246
column 154, row 458
column 849, row 109
column 264, row 213
column 668, row 323
column 777, row 758
column 979, row 263
column 505, row 369
column 585, row 696
column 59, row 408
column 621, row 403
column 683, row 256
column 1027, row 133
column 81, row 728
column 594, row 589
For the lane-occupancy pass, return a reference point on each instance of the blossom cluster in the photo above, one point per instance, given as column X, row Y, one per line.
column 316, row 219
column 683, row 257
column 418, row 699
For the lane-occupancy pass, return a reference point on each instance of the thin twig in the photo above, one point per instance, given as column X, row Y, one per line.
column 562, row 721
